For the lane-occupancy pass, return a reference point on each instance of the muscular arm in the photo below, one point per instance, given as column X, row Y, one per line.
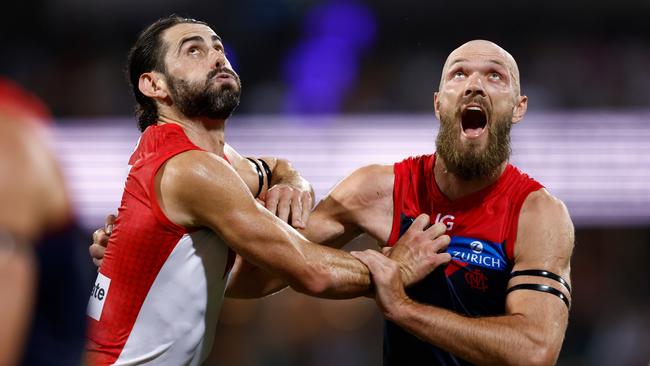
column 532, row 331
column 218, row 199
column 33, row 200
column 335, row 221
column 362, row 202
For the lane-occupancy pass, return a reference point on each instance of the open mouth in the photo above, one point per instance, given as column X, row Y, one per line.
column 473, row 121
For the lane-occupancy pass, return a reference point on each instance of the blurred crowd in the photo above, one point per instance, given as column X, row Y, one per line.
column 329, row 57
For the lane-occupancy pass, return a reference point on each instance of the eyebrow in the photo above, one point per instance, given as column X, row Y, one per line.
column 214, row 37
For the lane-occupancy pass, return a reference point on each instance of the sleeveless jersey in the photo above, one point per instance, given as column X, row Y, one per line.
column 159, row 290
column 483, row 230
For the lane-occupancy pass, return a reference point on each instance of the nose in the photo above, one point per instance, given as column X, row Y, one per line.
column 219, row 58
column 474, row 86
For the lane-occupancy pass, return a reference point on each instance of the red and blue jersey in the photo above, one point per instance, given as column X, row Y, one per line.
column 483, row 231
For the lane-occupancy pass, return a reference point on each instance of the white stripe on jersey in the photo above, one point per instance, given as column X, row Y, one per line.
column 178, row 318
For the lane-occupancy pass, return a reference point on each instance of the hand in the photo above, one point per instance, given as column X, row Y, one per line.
column 420, row 250
column 387, row 277
column 291, row 204
column 100, row 241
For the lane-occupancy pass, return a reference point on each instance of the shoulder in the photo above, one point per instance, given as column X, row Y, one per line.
column 543, row 205
column 545, row 224
column 194, row 166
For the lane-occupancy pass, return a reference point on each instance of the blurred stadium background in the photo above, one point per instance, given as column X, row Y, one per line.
column 333, row 85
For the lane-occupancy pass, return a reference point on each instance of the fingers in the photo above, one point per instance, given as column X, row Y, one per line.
column 284, row 207
column 441, row 243
column 291, row 205
column 376, row 262
column 97, row 253
column 436, row 230
column 386, row 250
column 420, row 223
column 444, row 258
column 100, row 237
column 296, row 210
column 306, row 208
column 108, row 227
column 272, row 199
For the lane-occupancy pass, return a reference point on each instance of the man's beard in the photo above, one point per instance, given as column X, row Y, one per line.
column 471, row 162
column 207, row 100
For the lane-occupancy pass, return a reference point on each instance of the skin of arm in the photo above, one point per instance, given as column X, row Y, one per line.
column 218, row 199
column 532, row 330
column 33, row 199
column 362, row 202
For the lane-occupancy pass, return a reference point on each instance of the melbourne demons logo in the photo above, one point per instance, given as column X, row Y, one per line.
column 476, row 280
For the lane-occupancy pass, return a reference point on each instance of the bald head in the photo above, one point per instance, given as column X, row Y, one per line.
column 481, row 50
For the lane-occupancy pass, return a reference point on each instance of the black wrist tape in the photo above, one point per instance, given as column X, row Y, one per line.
column 260, row 176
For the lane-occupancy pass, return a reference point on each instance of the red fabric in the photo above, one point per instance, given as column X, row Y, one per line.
column 142, row 239
column 16, row 100
column 491, row 213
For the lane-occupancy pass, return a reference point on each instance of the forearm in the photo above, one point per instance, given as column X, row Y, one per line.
column 308, row 267
column 502, row 340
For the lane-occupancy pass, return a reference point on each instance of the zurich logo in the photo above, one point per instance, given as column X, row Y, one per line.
column 476, row 246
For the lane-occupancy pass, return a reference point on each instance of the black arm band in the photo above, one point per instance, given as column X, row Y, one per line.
column 260, row 175
column 540, row 288
column 542, row 273
column 269, row 175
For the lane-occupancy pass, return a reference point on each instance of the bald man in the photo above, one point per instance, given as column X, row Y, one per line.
column 504, row 297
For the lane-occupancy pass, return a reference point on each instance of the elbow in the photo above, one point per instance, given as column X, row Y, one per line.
column 313, row 281
column 541, row 355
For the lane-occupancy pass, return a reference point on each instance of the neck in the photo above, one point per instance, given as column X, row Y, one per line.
column 208, row 134
column 454, row 187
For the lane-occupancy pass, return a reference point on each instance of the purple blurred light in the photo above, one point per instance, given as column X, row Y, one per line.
column 324, row 65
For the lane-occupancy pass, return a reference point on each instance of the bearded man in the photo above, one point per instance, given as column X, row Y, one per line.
column 504, row 297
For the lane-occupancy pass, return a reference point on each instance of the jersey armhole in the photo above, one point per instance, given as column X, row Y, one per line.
column 397, row 203
column 158, row 212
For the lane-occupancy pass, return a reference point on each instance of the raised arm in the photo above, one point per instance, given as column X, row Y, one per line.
column 532, row 331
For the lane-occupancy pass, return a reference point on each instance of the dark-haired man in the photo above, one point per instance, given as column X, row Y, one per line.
column 185, row 207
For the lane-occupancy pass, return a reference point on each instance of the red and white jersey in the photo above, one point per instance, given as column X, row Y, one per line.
column 159, row 290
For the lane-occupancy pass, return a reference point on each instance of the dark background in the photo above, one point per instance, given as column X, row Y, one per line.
column 369, row 57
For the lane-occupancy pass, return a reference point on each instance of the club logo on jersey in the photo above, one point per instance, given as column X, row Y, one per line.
column 477, row 280
column 98, row 296
column 477, row 252
column 446, row 219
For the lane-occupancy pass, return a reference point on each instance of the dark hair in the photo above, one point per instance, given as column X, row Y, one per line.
column 146, row 55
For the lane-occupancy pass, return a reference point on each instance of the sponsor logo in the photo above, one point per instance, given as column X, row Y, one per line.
column 446, row 219
column 98, row 295
column 477, row 252
column 476, row 247
column 476, row 280
column 481, row 260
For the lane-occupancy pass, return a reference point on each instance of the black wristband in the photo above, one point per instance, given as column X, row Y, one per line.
column 269, row 175
column 260, row 176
